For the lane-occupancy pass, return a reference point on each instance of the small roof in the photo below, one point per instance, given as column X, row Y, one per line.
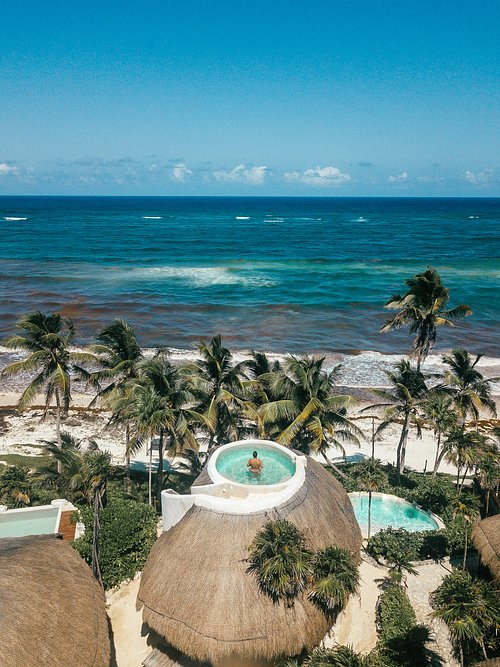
column 52, row 609
column 197, row 595
column 486, row 538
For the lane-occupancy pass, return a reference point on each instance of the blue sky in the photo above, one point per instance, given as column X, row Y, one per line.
column 250, row 97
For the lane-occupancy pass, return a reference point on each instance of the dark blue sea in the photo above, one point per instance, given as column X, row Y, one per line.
column 281, row 274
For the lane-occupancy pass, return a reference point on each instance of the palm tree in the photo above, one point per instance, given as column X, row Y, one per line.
column 170, row 384
column 470, row 608
column 489, row 474
column 47, row 339
column 305, row 414
column 15, row 485
column 463, row 449
column 402, row 402
column 338, row 656
column 218, row 386
column 335, row 578
column 400, row 564
column 469, row 516
column 370, row 477
column 438, row 410
column 469, row 389
column 281, row 561
column 116, row 355
column 423, row 308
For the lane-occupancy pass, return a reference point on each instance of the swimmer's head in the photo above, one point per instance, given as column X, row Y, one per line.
column 255, row 455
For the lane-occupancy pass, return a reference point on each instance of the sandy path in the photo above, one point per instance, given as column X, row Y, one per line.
column 131, row 648
column 356, row 625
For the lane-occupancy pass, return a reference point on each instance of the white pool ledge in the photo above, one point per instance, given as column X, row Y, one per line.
column 224, row 495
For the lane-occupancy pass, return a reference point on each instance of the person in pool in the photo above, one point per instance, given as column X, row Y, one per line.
column 255, row 465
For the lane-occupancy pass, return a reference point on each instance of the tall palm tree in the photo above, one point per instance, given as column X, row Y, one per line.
column 178, row 427
column 469, row 389
column 47, row 340
column 218, row 386
column 116, row 355
column 403, row 401
column 470, row 608
column 469, row 516
column 305, row 413
column 438, row 410
column 463, row 449
column 423, row 308
column 489, row 474
column 370, row 478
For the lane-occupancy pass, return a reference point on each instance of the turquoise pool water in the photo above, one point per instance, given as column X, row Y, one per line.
column 278, row 467
column 28, row 522
column 392, row 512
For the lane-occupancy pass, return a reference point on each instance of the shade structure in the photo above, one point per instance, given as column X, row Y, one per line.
column 52, row 610
column 197, row 595
column 486, row 538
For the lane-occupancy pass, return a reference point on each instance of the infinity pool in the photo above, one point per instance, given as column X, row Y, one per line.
column 278, row 466
column 390, row 511
column 35, row 521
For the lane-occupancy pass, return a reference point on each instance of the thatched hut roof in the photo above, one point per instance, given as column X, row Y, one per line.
column 486, row 538
column 196, row 592
column 492, row 662
column 52, row 611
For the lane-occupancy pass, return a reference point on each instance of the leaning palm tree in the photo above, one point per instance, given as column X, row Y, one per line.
column 470, row 608
column 423, row 308
column 403, row 401
column 305, row 413
column 439, row 411
column 116, row 355
column 370, row 478
column 217, row 384
column 47, row 340
column 469, row 516
column 469, row 389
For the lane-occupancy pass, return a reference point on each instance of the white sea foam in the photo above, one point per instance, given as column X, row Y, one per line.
column 152, row 217
column 242, row 217
column 204, row 276
column 12, row 219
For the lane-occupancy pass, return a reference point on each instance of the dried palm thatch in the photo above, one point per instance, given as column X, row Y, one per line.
column 493, row 662
column 486, row 538
column 196, row 592
column 52, row 610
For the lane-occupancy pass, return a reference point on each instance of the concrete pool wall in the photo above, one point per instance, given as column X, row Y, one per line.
column 41, row 520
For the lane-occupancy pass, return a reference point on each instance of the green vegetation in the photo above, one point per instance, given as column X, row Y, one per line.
column 127, row 533
column 285, row 568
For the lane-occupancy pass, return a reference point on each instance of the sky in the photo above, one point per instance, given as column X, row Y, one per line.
column 250, row 97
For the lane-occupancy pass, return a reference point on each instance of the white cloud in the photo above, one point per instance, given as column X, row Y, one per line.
column 479, row 177
column 320, row 176
column 180, row 172
column 400, row 178
column 8, row 170
column 242, row 174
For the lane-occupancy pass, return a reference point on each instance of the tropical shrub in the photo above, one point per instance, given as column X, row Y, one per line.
column 394, row 541
column 395, row 613
column 335, row 578
column 127, row 533
column 434, row 494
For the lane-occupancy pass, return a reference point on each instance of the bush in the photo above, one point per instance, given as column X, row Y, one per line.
column 395, row 613
column 393, row 541
column 128, row 531
column 434, row 494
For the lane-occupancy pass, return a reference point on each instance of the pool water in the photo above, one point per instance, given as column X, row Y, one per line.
column 393, row 512
column 28, row 522
column 278, row 467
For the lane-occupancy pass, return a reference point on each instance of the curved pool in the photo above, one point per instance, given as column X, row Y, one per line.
column 387, row 510
column 278, row 466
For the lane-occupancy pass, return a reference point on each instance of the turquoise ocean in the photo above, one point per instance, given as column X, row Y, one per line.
column 280, row 274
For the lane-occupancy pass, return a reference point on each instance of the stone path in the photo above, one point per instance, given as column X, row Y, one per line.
column 419, row 587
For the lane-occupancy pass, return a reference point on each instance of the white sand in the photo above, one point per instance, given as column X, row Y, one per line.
column 126, row 622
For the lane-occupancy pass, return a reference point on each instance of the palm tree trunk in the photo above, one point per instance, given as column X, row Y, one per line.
column 96, row 568
column 463, row 479
column 465, row 550
column 401, row 451
column 487, row 502
column 332, row 465
column 58, row 428
column 369, row 512
column 159, row 473
column 128, row 481
column 461, row 655
column 458, row 476
column 150, row 473
column 437, row 460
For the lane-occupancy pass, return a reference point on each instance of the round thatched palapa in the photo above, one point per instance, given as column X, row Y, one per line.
column 196, row 592
column 486, row 538
column 52, row 610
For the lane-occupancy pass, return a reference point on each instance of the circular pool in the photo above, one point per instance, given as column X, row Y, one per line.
column 278, row 466
column 387, row 510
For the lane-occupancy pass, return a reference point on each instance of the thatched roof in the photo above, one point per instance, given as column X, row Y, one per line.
column 486, row 538
column 52, row 611
column 493, row 662
column 196, row 592
column 169, row 657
